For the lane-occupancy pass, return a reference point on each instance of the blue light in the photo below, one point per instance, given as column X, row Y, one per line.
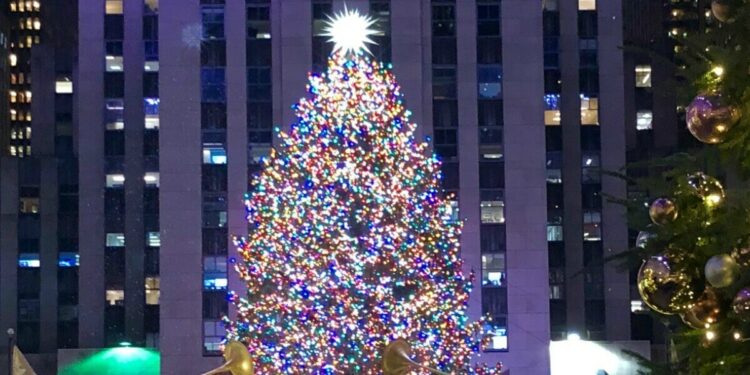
column 67, row 260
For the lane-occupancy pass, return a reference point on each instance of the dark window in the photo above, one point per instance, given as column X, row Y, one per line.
column 552, row 81
column 443, row 20
column 587, row 24
column 488, row 20
column 114, row 267
column 258, row 52
column 214, row 304
column 214, row 178
column 151, row 85
column 213, row 21
column 113, row 26
column 259, row 116
column 114, row 143
column 494, row 301
column 450, row 175
column 213, row 85
column 259, row 84
column 214, row 53
column 492, row 238
column 444, row 113
column 489, row 50
column 151, row 200
column 444, row 82
column 215, row 241
column 214, row 115
column 590, row 138
column 491, row 175
column 589, row 81
column 444, row 51
column 151, row 142
column 114, row 85
column 150, row 27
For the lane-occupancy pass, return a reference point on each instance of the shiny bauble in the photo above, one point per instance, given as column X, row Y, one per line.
column 704, row 311
column 643, row 238
column 397, row 358
column 237, row 360
column 706, row 187
column 721, row 10
column 709, row 118
column 662, row 211
column 741, row 304
column 721, row 271
column 742, row 256
column 664, row 290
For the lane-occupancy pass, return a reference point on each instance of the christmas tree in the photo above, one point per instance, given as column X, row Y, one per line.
column 351, row 244
column 694, row 255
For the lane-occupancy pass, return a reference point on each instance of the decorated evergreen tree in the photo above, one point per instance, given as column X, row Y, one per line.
column 351, row 244
column 694, row 251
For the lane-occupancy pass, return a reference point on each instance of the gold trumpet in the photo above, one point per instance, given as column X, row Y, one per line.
column 238, row 361
column 397, row 359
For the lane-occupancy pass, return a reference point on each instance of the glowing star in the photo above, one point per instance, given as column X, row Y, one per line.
column 350, row 31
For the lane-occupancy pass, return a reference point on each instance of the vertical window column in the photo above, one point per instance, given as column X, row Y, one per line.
column 259, row 87
column 321, row 48
column 380, row 10
column 444, row 101
column 214, row 173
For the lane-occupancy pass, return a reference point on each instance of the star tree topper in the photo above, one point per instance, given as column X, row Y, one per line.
column 350, row 31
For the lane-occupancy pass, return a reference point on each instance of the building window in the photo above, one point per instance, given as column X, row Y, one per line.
column 554, row 233
column 152, row 290
column 643, row 76
column 112, row 7
column 498, row 335
column 213, row 21
column 490, row 81
column 115, row 180
column 644, row 120
column 493, row 212
column 452, row 211
column 67, row 259
column 215, row 273
column 115, row 297
column 151, row 66
column 493, row 269
column 113, row 63
column 153, row 239
column 549, row 5
column 259, row 21
column 586, row 4
column 214, row 155
column 115, row 239
column 213, row 335
column 151, row 179
column 552, row 109
column 213, row 85
column 151, row 110
column 63, row 86
column 113, row 113
column 28, row 260
column 589, row 111
column 28, row 205
column 592, row 230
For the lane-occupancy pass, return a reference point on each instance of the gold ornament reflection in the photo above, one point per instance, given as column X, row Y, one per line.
column 238, row 361
column 397, row 359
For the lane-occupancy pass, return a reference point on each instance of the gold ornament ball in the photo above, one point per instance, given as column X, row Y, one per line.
column 709, row 118
column 721, row 10
column 662, row 211
column 741, row 304
column 706, row 187
column 397, row 358
column 664, row 290
column 721, row 271
column 705, row 311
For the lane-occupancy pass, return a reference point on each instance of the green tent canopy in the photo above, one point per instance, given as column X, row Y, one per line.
column 117, row 361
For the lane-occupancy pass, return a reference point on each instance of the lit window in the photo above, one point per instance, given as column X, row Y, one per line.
column 151, row 5
column 13, row 96
column 114, row 116
column 554, row 233
column 151, row 66
column 113, row 63
column 66, row 259
column 151, row 179
column 214, row 155
column 636, row 306
column 491, row 152
column 556, row 292
column 37, row 24
column 13, row 58
column 115, row 239
column 115, row 297
column 153, row 239
column 115, row 180
column 215, row 273
column 258, row 153
column 493, row 269
column 592, row 230
column 63, row 86
column 554, row 176
column 28, row 260
column 451, row 211
column 493, row 212
column 152, row 290
column 644, row 120
column 28, row 205
column 643, row 76
column 213, row 335
column 589, row 111
column 113, row 7
column 586, row 4
column 498, row 336
column 552, row 109
column 151, row 109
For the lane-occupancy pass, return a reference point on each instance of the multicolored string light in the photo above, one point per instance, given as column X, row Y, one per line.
column 351, row 244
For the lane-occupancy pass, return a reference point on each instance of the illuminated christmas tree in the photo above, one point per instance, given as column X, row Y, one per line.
column 351, row 245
